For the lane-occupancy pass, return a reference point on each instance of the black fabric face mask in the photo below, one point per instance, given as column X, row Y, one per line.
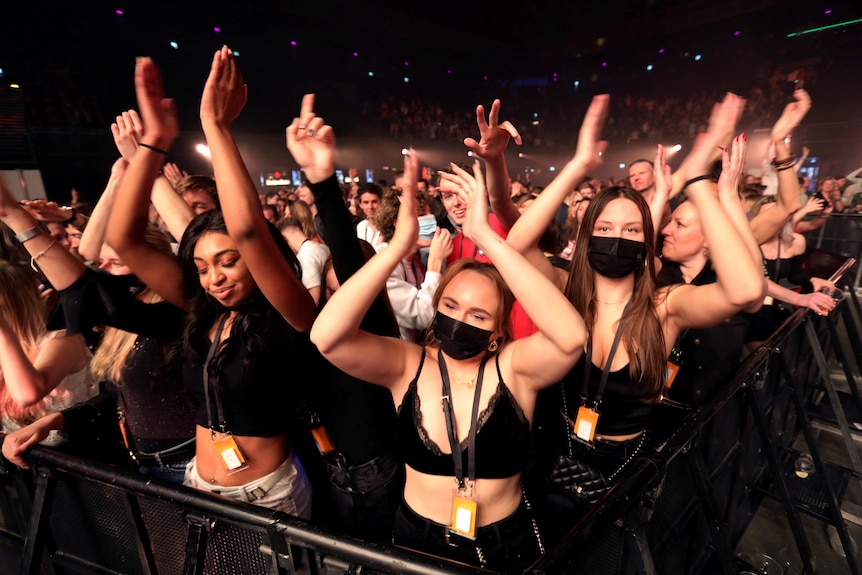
column 457, row 339
column 615, row 257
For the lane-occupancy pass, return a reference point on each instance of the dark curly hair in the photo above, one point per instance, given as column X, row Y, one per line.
column 204, row 309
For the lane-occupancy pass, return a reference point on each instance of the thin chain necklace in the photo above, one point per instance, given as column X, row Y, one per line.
column 600, row 300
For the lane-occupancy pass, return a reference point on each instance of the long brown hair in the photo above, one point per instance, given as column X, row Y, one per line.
column 642, row 334
column 23, row 309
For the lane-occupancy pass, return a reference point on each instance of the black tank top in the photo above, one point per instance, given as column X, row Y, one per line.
column 502, row 438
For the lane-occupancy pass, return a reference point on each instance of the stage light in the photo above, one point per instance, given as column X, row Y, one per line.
column 676, row 148
column 697, row 58
column 406, row 79
column 520, row 154
column 216, row 29
column 404, row 151
column 370, row 74
column 622, row 166
column 203, row 150
column 174, row 45
column 649, row 67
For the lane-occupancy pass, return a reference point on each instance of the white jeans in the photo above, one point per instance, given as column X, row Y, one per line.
column 286, row 489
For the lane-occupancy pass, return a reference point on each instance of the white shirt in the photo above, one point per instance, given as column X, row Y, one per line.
column 367, row 233
column 312, row 255
column 412, row 303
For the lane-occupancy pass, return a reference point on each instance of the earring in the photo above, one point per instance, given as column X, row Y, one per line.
column 493, row 346
column 706, row 252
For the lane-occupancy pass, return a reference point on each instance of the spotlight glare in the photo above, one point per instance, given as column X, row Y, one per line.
column 203, row 150
column 649, row 67
column 174, row 45
column 622, row 166
column 404, row 152
column 520, row 154
column 470, row 154
column 676, row 148
column 697, row 58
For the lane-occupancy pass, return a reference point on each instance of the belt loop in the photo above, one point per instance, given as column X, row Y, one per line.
column 255, row 493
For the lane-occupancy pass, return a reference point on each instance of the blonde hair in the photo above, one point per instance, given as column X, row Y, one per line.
column 23, row 309
column 21, row 306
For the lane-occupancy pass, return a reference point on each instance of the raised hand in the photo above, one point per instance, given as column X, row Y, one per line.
column 590, row 147
column 173, row 173
column 407, row 228
column 494, row 136
column 46, row 211
column 225, row 94
column 662, row 173
column 732, row 162
column 312, row 143
column 159, row 114
column 792, row 115
column 472, row 191
column 127, row 132
column 722, row 122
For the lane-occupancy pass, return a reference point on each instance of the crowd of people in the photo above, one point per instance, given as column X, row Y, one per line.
column 291, row 349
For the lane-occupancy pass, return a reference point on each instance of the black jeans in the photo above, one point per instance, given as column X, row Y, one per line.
column 365, row 497
column 508, row 546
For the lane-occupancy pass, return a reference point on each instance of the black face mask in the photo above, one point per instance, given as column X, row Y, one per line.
column 615, row 257
column 457, row 339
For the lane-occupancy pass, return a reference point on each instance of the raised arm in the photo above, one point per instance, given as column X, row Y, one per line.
column 740, row 281
column 494, row 138
column 60, row 267
column 223, row 98
column 94, row 235
column 768, row 223
column 128, row 215
column 663, row 187
column 732, row 162
column 544, row 357
column 336, row 332
column 28, row 382
column 532, row 224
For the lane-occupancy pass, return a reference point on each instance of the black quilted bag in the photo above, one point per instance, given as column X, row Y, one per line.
column 583, row 481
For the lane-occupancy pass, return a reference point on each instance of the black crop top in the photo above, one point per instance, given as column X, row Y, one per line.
column 259, row 391
column 622, row 411
column 502, row 438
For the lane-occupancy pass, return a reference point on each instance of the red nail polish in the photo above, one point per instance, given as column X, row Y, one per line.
column 744, row 137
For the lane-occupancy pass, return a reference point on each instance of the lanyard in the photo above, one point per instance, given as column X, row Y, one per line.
column 461, row 248
column 450, row 422
column 606, row 370
column 215, row 344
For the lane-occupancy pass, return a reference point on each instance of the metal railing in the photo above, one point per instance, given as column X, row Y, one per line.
column 682, row 508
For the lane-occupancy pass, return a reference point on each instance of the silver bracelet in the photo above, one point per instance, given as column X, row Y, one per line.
column 28, row 234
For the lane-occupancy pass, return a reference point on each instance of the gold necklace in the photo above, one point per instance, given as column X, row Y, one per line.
column 469, row 384
column 600, row 300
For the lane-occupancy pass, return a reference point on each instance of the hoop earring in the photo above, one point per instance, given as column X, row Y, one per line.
column 493, row 346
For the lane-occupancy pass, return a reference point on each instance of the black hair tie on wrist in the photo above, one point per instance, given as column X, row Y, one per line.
column 696, row 179
column 153, row 148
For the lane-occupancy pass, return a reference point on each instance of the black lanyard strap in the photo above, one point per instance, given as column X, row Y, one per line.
column 450, row 422
column 606, row 370
column 213, row 347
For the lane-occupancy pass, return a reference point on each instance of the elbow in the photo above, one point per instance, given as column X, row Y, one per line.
column 323, row 341
column 745, row 294
column 25, row 398
column 575, row 338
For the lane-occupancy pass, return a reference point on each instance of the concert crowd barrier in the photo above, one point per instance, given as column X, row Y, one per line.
column 681, row 509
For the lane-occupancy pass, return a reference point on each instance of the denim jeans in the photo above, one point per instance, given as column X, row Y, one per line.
column 173, row 473
column 365, row 497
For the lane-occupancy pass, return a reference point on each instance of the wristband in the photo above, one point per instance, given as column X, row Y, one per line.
column 153, row 148
column 71, row 219
column 28, row 234
column 696, row 179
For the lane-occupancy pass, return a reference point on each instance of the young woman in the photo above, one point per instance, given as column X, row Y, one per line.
column 239, row 332
column 478, row 439
column 598, row 414
column 41, row 371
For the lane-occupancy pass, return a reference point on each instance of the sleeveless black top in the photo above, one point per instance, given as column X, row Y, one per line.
column 502, row 438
